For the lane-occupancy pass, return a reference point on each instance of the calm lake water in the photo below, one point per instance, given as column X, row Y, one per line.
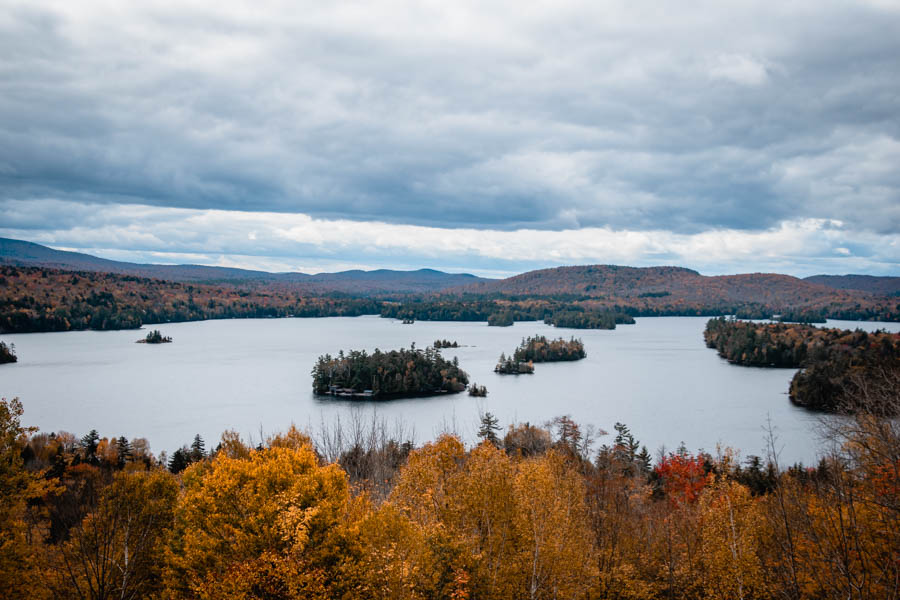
column 253, row 376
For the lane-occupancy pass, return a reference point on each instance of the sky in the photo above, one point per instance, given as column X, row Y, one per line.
column 482, row 137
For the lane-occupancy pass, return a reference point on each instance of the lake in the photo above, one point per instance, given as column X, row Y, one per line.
column 253, row 376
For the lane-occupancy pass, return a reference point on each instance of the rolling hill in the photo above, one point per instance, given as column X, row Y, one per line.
column 674, row 290
column 889, row 286
column 381, row 281
column 45, row 290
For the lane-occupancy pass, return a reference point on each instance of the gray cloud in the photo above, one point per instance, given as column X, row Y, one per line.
column 620, row 114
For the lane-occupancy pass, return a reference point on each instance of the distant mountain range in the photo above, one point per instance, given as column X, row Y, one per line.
column 22, row 253
column 650, row 285
column 677, row 283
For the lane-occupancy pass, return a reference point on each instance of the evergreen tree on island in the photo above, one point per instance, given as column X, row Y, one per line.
column 7, row 353
column 155, row 337
column 397, row 373
column 540, row 349
column 508, row 365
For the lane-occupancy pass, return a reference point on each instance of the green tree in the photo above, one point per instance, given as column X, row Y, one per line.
column 180, row 460
column 89, row 445
column 198, row 449
column 489, row 428
column 124, row 450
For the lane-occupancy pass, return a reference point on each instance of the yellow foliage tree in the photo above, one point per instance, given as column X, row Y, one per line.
column 19, row 577
column 274, row 512
column 555, row 528
column 498, row 527
column 395, row 561
column 731, row 523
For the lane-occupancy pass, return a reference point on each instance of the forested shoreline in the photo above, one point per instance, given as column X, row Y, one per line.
column 839, row 368
column 543, row 511
column 39, row 299
column 505, row 312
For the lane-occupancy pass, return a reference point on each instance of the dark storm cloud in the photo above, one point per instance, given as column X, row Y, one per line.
column 623, row 115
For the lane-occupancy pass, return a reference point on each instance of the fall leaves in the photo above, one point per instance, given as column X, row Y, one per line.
column 533, row 515
column 273, row 511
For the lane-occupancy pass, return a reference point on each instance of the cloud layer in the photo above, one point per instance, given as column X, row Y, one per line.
column 298, row 242
column 571, row 123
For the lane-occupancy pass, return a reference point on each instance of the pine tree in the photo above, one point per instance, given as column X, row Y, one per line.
column 643, row 459
column 180, row 460
column 625, row 441
column 490, row 425
column 89, row 445
column 198, row 449
column 124, row 450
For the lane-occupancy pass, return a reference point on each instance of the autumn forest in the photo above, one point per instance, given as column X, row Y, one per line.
column 529, row 512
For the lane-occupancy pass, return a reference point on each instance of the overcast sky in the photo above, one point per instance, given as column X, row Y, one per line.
column 484, row 137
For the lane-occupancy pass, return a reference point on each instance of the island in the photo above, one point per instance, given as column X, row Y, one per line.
column 7, row 353
column 540, row 349
column 439, row 344
column 841, row 371
column 155, row 337
column 382, row 375
column 508, row 365
column 478, row 391
column 588, row 319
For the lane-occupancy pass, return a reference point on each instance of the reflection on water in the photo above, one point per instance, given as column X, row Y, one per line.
column 253, row 376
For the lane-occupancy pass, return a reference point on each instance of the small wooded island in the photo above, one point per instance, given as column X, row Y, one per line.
column 540, row 349
column 7, row 353
column 573, row 319
column 439, row 344
column 381, row 375
column 840, row 370
column 508, row 365
column 155, row 337
column 478, row 391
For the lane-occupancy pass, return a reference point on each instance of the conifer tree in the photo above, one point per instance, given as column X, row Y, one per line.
column 198, row 449
column 124, row 450
column 489, row 428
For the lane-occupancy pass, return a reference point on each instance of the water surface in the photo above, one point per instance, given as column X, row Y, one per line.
column 253, row 376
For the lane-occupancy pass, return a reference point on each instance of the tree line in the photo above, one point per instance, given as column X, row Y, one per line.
column 840, row 370
column 440, row 344
column 505, row 312
column 34, row 299
column 535, row 511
